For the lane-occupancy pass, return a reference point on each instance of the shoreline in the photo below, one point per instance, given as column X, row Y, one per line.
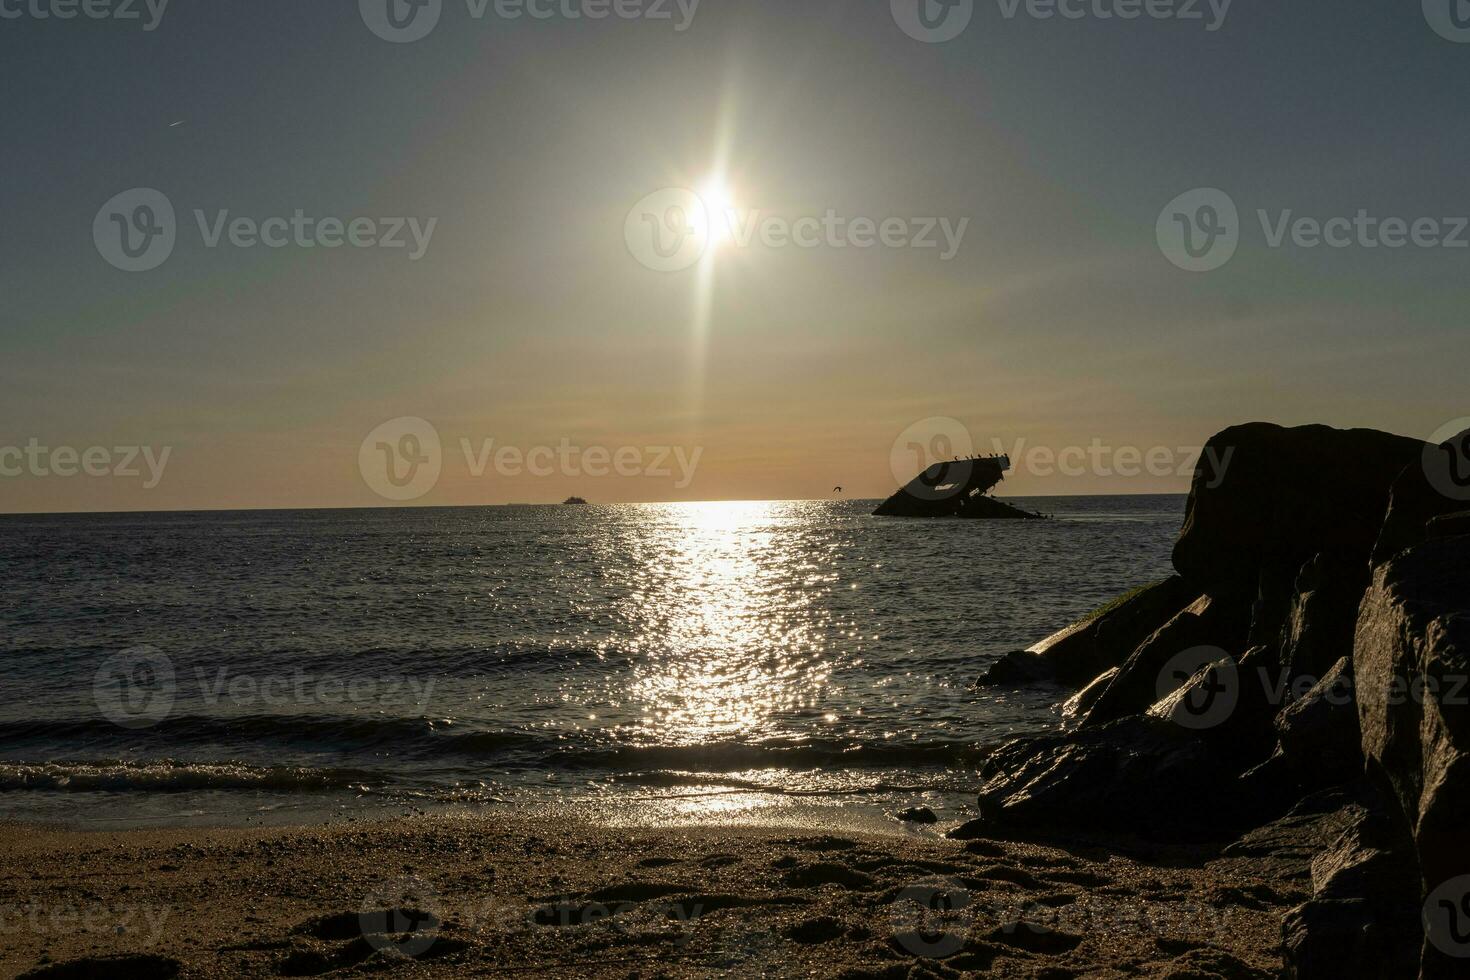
column 528, row 895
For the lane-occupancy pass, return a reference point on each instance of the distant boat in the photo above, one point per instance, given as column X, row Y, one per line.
column 573, row 500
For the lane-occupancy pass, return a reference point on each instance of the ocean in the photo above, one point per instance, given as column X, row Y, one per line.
column 651, row 663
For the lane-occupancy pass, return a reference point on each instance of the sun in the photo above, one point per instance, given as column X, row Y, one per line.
column 719, row 202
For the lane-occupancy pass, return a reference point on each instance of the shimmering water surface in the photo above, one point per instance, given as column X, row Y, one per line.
column 655, row 661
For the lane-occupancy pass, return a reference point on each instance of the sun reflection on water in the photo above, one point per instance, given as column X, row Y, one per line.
column 730, row 632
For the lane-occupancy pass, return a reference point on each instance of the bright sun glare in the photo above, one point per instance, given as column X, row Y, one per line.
column 720, row 203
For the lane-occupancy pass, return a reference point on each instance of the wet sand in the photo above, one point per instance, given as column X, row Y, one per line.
column 475, row 896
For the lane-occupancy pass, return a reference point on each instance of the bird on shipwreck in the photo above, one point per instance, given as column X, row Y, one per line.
column 957, row 488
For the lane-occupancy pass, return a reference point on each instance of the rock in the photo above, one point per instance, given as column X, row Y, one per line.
column 1211, row 627
column 1411, row 661
column 1362, row 920
column 1319, row 731
column 1275, row 589
column 918, row 814
column 1102, row 640
column 1263, row 495
column 1017, row 669
column 1225, row 701
column 1080, row 703
column 1324, row 612
column 1450, row 525
column 1138, row 775
column 1285, row 848
column 1206, row 700
column 1429, row 486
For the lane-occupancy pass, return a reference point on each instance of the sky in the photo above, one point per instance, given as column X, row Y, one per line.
column 497, row 331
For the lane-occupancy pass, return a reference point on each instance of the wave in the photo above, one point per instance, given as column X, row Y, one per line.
column 176, row 777
column 414, row 737
column 772, row 754
column 421, row 739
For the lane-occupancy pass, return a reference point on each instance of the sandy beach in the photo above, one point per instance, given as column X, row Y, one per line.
column 449, row 896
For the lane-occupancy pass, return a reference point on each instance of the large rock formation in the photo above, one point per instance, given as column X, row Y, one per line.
column 1412, row 661
column 1265, row 496
column 1138, row 776
column 1319, row 733
column 1360, row 921
column 1437, row 483
column 1323, row 608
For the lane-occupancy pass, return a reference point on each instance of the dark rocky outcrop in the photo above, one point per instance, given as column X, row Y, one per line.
column 1076, row 655
column 1323, row 616
column 1207, row 629
column 1360, row 923
column 1412, row 661
column 1432, row 485
column 1075, row 707
column 1338, row 561
column 1319, row 731
column 1138, row 776
column 1264, row 495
